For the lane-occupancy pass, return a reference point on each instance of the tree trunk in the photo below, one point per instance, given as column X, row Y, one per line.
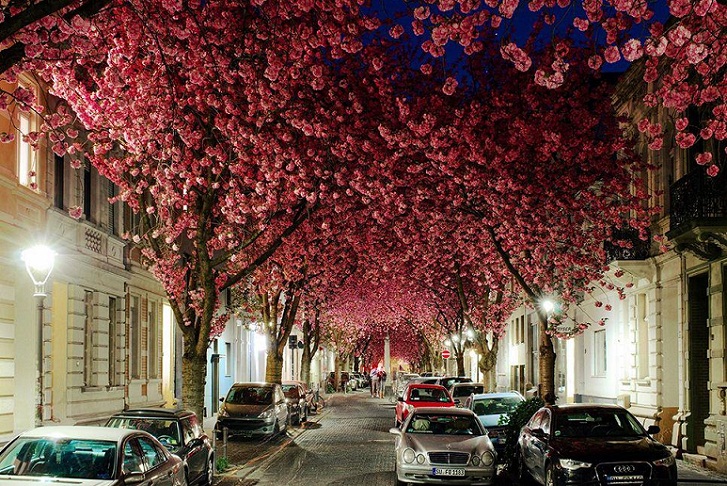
column 488, row 361
column 274, row 366
column 305, row 361
column 546, row 363
column 337, row 373
column 311, row 341
column 459, row 357
column 194, row 374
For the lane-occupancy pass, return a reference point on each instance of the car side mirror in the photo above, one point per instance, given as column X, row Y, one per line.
column 395, row 431
column 222, row 399
column 653, row 429
column 400, row 399
column 134, row 478
column 539, row 433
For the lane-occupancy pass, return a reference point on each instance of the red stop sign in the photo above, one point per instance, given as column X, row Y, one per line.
column 446, row 354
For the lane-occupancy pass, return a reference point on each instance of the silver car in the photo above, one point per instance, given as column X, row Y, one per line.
column 443, row 445
column 253, row 410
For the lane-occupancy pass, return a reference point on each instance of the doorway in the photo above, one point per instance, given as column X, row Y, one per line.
column 699, row 337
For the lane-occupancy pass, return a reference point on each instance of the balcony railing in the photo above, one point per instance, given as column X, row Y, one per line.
column 697, row 200
column 625, row 244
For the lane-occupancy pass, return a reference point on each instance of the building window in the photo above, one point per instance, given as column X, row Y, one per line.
column 112, row 208
column 228, row 359
column 27, row 174
column 59, row 180
column 599, row 353
column 87, row 192
column 113, row 341
column 135, row 338
column 642, row 336
column 88, row 340
column 153, row 341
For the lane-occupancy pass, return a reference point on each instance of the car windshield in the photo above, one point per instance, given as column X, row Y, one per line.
column 163, row 429
column 65, row 458
column 597, row 423
column 428, row 395
column 443, row 424
column 495, row 406
column 466, row 390
column 250, row 395
column 291, row 391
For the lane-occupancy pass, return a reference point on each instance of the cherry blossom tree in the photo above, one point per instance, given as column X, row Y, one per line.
column 222, row 123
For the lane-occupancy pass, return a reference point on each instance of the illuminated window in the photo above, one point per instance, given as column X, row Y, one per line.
column 599, row 353
column 26, row 154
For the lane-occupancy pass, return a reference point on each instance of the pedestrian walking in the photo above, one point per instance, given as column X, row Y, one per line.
column 382, row 382
column 374, row 382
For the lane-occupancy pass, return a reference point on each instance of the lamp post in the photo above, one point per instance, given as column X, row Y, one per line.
column 39, row 262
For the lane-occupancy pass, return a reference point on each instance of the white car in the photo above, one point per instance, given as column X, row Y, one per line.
column 443, row 445
column 98, row 456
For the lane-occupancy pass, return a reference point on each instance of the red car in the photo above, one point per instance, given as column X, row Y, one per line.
column 420, row 395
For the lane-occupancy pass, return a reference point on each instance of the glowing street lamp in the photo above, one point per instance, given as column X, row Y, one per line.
column 548, row 306
column 39, row 261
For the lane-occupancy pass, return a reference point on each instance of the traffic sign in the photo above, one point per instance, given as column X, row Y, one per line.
column 446, row 354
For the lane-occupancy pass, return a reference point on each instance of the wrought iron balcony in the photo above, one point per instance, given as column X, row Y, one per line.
column 626, row 245
column 698, row 214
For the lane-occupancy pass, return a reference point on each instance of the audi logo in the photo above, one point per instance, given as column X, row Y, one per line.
column 624, row 468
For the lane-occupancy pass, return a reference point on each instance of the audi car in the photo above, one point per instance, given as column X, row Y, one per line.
column 592, row 444
column 443, row 446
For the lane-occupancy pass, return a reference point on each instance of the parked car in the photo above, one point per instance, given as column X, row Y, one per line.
column 344, row 380
column 443, row 445
column 460, row 391
column 104, row 456
column 426, row 380
column 177, row 430
column 592, row 444
column 295, row 397
column 420, row 395
column 448, row 381
column 253, row 410
column 402, row 380
column 492, row 409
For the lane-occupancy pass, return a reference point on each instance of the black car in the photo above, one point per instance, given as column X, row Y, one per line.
column 592, row 444
column 448, row 381
column 296, row 399
column 180, row 432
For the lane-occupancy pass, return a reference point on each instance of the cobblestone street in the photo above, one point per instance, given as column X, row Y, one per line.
column 347, row 444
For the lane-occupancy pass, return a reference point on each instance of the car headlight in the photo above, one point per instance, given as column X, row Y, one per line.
column 476, row 460
column 267, row 414
column 409, row 455
column 572, row 464
column 666, row 462
column 488, row 458
column 223, row 412
column 420, row 459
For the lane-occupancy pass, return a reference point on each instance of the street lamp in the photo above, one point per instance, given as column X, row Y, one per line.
column 548, row 306
column 39, row 262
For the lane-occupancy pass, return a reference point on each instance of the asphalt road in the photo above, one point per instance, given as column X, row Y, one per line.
column 346, row 444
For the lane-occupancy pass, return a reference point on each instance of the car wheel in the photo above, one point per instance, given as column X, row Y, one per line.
column 549, row 476
column 210, row 474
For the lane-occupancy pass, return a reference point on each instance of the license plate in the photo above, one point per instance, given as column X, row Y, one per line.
column 447, row 471
column 625, row 479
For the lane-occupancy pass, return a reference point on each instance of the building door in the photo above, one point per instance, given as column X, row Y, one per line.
column 698, row 321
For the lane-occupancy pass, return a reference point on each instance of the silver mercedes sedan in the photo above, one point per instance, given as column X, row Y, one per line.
column 443, row 445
